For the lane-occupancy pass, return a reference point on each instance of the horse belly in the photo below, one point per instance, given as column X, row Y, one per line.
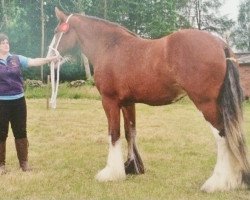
column 156, row 94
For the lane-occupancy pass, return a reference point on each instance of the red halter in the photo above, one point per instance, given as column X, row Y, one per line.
column 64, row 27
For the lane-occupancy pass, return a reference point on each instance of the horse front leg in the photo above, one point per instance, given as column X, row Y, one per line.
column 114, row 169
column 134, row 164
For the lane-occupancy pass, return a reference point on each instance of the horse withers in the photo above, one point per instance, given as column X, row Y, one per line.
column 129, row 69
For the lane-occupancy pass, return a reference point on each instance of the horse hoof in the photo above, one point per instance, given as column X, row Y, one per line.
column 109, row 174
column 132, row 167
column 208, row 187
column 214, row 184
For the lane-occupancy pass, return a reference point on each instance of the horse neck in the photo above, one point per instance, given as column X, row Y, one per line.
column 96, row 37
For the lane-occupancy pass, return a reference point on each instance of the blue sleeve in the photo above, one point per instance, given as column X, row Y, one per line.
column 23, row 61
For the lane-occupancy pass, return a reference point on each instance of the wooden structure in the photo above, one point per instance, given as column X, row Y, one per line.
column 244, row 62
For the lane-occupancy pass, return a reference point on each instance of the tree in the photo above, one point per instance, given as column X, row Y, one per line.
column 204, row 15
column 148, row 18
column 241, row 33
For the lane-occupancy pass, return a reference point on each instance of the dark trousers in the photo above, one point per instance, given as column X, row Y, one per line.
column 13, row 112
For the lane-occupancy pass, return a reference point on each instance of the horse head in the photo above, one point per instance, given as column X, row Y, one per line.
column 65, row 37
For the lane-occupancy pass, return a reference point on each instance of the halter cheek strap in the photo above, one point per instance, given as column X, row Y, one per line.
column 60, row 36
column 55, row 83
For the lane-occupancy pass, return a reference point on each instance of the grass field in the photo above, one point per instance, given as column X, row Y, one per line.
column 69, row 145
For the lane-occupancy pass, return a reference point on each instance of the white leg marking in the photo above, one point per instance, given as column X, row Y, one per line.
column 226, row 174
column 131, row 154
column 114, row 169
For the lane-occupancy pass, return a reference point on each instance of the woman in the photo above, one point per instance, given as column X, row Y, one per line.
column 12, row 101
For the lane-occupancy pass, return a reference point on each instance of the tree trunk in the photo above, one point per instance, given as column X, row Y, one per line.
column 105, row 9
column 4, row 16
column 248, row 28
column 42, row 36
column 198, row 13
column 86, row 65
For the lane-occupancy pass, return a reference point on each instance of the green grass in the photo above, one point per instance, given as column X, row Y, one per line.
column 69, row 145
column 64, row 91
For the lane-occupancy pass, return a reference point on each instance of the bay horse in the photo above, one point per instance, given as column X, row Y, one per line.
column 129, row 69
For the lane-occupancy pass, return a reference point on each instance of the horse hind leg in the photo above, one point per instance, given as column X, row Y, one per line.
column 134, row 164
column 227, row 173
column 232, row 169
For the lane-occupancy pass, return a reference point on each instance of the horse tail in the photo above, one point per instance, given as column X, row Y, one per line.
column 230, row 103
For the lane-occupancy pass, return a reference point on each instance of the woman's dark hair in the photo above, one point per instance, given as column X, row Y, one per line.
column 3, row 37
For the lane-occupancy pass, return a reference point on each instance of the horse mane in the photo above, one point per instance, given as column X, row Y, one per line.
column 108, row 23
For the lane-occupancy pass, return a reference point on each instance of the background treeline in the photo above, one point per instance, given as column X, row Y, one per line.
column 30, row 23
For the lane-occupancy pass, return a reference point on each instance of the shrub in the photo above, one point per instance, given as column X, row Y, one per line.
column 76, row 83
column 33, row 83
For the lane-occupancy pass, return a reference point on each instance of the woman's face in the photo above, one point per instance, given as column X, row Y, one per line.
column 4, row 46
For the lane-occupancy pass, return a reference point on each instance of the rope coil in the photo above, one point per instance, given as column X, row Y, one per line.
column 55, row 66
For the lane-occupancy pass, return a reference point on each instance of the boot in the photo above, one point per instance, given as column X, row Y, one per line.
column 2, row 157
column 22, row 153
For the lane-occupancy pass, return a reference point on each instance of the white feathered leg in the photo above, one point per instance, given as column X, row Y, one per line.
column 114, row 169
column 226, row 174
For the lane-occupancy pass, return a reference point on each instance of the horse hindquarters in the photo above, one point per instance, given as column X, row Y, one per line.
column 232, row 168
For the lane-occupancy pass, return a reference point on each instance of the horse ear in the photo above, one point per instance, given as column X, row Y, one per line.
column 60, row 15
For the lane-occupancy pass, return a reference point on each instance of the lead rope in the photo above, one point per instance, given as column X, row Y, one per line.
column 55, row 82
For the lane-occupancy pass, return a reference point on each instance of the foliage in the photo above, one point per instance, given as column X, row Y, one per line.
column 68, row 72
column 76, row 83
column 151, row 19
column 90, row 81
column 34, row 83
column 205, row 15
column 241, row 34
column 23, row 35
